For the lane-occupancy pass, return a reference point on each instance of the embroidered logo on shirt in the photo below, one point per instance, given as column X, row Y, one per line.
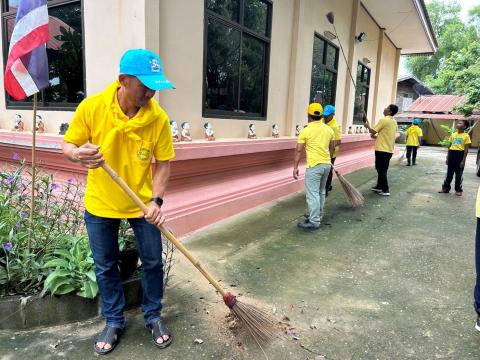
column 143, row 154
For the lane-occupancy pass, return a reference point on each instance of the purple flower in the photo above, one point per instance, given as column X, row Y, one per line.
column 23, row 215
column 55, row 186
column 15, row 156
column 70, row 180
column 17, row 224
column 8, row 246
column 9, row 180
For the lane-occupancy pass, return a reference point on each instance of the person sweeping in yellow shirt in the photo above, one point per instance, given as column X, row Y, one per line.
column 317, row 141
column 414, row 139
column 124, row 126
column 459, row 143
column 329, row 119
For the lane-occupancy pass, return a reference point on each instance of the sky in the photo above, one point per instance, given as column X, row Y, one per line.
column 466, row 6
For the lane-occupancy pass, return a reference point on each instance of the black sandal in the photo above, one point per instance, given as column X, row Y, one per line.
column 158, row 329
column 109, row 335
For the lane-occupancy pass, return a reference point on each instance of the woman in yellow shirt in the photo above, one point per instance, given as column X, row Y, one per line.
column 456, row 157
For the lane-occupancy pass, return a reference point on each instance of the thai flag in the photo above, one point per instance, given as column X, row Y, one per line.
column 26, row 72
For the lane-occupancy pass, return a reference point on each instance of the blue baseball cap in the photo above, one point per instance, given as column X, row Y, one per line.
column 328, row 110
column 147, row 67
column 417, row 121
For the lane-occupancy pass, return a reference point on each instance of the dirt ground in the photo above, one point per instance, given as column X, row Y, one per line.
column 392, row 280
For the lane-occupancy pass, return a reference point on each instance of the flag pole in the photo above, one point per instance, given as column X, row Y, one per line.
column 32, row 202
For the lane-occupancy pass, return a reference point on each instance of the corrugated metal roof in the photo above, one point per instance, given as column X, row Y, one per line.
column 437, row 116
column 436, row 103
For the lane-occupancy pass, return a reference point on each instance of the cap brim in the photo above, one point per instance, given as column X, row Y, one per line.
column 156, row 82
column 327, row 113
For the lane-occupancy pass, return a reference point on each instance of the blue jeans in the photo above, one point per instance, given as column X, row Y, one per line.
column 103, row 236
column 315, row 181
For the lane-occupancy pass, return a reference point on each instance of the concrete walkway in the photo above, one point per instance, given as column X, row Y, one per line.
column 392, row 280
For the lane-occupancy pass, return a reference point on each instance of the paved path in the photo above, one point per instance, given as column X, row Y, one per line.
column 392, row 280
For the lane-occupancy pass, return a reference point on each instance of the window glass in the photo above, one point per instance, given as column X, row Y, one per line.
column 223, row 59
column 256, row 16
column 227, row 8
column 235, row 71
column 361, row 93
column 252, row 75
column 324, row 72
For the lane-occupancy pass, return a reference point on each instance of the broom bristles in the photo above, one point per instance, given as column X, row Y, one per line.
column 261, row 325
column 354, row 197
column 401, row 158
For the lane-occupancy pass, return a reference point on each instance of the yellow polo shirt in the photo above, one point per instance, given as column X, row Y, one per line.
column 128, row 153
column 336, row 135
column 459, row 141
column 414, row 133
column 386, row 130
column 316, row 137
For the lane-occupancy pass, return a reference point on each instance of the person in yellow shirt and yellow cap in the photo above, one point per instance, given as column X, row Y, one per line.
column 414, row 139
column 317, row 141
column 329, row 119
column 124, row 126
column 459, row 143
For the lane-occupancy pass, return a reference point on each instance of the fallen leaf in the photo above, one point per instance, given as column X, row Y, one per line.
column 198, row 341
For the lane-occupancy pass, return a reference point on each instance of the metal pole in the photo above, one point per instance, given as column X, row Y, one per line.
column 32, row 202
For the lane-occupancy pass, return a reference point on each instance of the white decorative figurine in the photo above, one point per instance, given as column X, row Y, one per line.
column 209, row 135
column 185, row 132
column 275, row 132
column 174, row 129
column 40, row 126
column 252, row 131
column 297, row 130
column 18, row 125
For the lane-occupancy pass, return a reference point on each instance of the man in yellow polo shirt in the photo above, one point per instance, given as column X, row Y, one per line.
column 329, row 119
column 384, row 133
column 124, row 126
column 317, row 140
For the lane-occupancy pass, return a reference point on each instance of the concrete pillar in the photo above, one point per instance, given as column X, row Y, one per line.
column 289, row 126
column 378, row 69
column 395, row 76
column 351, row 55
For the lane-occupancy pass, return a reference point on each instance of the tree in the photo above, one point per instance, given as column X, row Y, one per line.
column 452, row 34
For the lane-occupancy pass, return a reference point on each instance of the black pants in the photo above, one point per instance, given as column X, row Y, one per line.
column 412, row 150
column 328, row 187
column 382, row 161
column 454, row 158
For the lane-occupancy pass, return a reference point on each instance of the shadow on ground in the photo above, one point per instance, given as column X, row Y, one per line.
column 392, row 280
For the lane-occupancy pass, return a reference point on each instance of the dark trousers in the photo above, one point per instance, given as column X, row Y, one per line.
column 103, row 236
column 412, row 150
column 328, row 187
column 454, row 158
column 476, row 292
column 382, row 161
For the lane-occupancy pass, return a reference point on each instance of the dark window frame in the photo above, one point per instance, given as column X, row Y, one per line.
column 362, row 84
column 42, row 105
column 266, row 39
column 324, row 67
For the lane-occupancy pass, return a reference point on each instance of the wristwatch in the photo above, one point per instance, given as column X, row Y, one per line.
column 157, row 200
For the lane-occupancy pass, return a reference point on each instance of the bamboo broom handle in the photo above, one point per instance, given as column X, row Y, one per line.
column 164, row 231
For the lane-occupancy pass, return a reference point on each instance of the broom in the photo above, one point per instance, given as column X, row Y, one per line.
column 354, row 197
column 401, row 158
column 259, row 323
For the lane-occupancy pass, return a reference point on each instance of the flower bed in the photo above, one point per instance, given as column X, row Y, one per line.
column 55, row 257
